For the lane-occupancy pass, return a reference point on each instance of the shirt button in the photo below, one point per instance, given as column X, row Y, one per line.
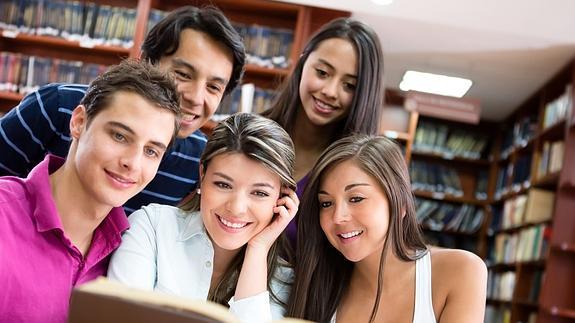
column 208, row 264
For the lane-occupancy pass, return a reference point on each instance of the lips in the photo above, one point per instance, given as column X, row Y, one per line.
column 323, row 107
column 350, row 234
column 119, row 180
column 232, row 225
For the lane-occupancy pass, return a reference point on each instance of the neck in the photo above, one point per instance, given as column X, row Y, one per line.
column 366, row 272
column 310, row 137
column 79, row 213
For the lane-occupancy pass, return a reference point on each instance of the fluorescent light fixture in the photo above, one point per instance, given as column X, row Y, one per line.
column 435, row 83
column 382, row 2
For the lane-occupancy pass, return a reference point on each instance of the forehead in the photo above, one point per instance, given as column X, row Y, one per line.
column 338, row 52
column 345, row 173
column 148, row 121
column 241, row 168
column 203, row 52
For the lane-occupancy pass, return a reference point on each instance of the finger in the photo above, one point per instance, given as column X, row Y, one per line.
column 291, row 193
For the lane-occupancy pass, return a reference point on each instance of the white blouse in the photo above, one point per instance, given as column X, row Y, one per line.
column 168, row 250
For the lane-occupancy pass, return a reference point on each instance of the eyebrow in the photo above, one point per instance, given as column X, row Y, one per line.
column 346, row 188
column 180, row 62
column 115, row 124
column 323, row 61
column 231, row 180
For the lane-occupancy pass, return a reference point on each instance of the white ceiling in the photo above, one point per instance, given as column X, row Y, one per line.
column 508, row 48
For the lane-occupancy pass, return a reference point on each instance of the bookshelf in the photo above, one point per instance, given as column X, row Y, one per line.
column 298, row 20
column 531, row 240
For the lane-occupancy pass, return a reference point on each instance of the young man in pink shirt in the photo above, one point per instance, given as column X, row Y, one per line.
column 59, row 225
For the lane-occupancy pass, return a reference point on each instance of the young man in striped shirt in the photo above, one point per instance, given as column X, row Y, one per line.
column 205, row 55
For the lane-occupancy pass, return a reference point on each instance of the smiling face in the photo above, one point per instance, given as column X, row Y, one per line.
column 237, row 199
column 328, row 81
column 118, row 152
column 354, row 211
column 202, row 68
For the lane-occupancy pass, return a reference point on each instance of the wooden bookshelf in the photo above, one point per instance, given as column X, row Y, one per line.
column 555, row 301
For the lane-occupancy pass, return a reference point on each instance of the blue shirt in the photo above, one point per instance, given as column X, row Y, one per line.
column 40, row 124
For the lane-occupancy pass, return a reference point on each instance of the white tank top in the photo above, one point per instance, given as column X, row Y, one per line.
column 423, row 311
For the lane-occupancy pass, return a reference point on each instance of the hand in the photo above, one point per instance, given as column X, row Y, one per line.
column 284, row 211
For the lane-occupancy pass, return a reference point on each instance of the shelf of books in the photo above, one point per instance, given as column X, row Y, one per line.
column 531, row 230
column 450, row 170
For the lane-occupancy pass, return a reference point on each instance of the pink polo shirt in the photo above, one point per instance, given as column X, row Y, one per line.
column 39, row 265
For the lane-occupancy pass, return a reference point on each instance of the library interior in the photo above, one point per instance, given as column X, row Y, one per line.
column 492, row 169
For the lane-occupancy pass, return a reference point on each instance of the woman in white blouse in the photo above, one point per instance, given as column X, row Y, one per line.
column 222, row 245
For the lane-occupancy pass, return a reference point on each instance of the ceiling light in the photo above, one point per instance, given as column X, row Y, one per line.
column 435, row 83
column 382, row 2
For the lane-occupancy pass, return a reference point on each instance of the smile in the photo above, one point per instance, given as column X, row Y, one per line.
column 232, row 225
column 323, row 107
column 120, row 181
column 351, row 234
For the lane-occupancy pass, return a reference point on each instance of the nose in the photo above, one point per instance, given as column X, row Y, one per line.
column 341, row 214
column 192, row 92
column 329, row 89
column 131, row 159
column 237, row 204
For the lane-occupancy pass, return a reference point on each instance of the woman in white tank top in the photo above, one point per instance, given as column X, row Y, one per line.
column 360, row 254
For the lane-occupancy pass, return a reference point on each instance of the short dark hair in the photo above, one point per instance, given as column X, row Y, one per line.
column 141, row 78
column 164, row 38
column 365, row 110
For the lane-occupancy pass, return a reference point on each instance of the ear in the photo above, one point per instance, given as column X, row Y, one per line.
column 78, row 121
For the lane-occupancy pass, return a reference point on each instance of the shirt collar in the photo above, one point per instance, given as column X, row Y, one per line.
column 45, row 211
column 192, row 227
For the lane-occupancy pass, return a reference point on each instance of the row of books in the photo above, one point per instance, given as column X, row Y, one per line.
column 22, row 73
column 514, row 177
column 500, row 285
column 528, row 244
column 246, row 98
column 556, row 110
column 551, row 159
column 534, row 207
column 519, row 135
column 438, row 138
column 438, row 216
column 87, row 22
column 265, row 46
column 434, row 178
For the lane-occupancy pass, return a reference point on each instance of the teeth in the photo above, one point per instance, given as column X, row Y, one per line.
column 189, row 117
column 324, row 105
column 231, row 224
column 351, row 234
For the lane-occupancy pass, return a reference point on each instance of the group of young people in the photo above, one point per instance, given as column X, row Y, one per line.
column 220, row 219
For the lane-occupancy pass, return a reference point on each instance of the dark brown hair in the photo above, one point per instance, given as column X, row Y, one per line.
column 322, row 273
column 164, row 38
column 136, row 77
column 364, row 112
column 262, row 140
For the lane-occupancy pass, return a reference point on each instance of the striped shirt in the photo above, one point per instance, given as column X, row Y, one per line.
column 40, row 124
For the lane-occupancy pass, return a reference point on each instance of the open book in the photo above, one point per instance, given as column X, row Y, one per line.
column 107, row 301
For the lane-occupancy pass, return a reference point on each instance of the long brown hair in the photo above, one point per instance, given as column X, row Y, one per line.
column 322, row 273
column 263, row 140
column 364, row 112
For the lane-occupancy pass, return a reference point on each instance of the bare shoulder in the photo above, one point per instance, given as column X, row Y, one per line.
column 456, row 266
